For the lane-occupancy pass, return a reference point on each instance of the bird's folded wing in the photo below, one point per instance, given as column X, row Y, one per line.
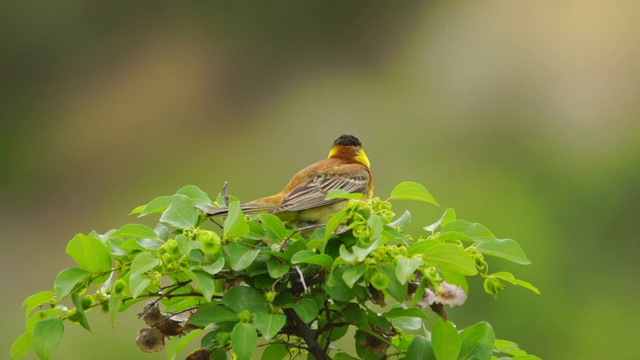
column 312, row 193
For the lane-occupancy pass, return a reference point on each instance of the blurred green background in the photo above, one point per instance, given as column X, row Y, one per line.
column 522, row 116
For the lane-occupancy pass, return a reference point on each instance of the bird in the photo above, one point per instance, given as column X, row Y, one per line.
column 302, row 201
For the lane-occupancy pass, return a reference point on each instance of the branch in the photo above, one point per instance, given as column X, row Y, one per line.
column 305, row 333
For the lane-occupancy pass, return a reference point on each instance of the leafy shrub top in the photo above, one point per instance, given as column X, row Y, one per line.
column 254, row 282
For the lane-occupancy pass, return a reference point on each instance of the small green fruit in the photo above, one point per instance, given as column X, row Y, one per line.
column 379, row 281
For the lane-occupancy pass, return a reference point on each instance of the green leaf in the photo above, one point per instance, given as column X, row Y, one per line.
column 337, row 289
column 137, row 284
column 277, row 351
column 452, row 258
column 346, row 255
column 351, row 275
column 196, row 195
column 405, row 268
column 403, row 222
column 241, row 298
column 256, row 231
column 393, row 234
column 334, row 221
column 507, row 249
column 294, row 247
column 214, row 268
column 341, row 194
column 181, row 213
column 402, row 312
column 143, row 262
column 355, row 314
column 273, row 226
column 361, row 253
column 46, row 336
column 269, row 324
column 420, row 349
column 527, row 285
column 421, row 247
column 445, row 340
column 204, row 282
column 407, row 319
column 307, row 309
column 241, row 255
column 244, row 340
column 310, row 257
column 82, row 318
column 21, row 346
column 176, row 344
column 402, row 342
column 115, row 301
column 37, row 300
column 67, row 280
column 185, row 245
column 525, row 357
column 43, row 314
column 448, row 216
column 212, row 314
column 407, row 323
column 219, row 354
column 376, row 226
column 474, row 231
column 397, row 290
column 135, row 231
column 508, row 347
column 276, row 269
column 508, row 277
column 412, row 191
column 90, row 253
column 137, row 209
column 235, row 225
column 157, row 205
column 453, row 235
column 477, row 342
column 417, row 296
column 140, row 244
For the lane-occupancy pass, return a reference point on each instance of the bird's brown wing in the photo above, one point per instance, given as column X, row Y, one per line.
column 312, row 192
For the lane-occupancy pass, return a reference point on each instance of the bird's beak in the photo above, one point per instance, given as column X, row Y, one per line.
column 361, row 156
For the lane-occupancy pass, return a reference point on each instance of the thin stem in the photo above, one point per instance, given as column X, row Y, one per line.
column 304, row 286
column 175, row 287
column 226, row 195
column 314, row 226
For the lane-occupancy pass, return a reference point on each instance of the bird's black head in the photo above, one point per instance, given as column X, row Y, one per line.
column 347, row 140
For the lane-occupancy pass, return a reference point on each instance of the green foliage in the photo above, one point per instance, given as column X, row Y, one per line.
column 256, row 282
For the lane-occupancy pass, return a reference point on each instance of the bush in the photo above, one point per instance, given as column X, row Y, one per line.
column 294, row 292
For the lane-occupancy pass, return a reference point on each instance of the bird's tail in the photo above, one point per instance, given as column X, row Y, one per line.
column 247, row 209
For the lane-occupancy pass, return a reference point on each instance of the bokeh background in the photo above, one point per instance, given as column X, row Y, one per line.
column 523, row 116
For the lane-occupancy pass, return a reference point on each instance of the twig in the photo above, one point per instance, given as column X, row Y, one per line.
column 226, row 195
column 304, row 286
column 217, row 223
column 176, row 286
column 314, row 226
